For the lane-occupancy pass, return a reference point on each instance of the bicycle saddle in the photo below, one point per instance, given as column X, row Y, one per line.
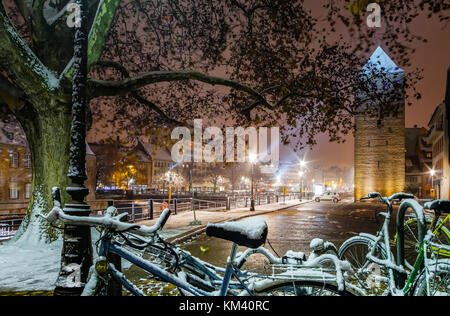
column 251, row 233
column 442, row 206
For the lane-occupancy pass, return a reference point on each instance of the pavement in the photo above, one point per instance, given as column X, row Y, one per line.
column 179, row 227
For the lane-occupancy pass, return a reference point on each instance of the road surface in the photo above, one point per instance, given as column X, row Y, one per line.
column 293, row 229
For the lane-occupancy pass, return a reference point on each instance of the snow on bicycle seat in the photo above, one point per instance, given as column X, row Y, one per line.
column 442, row 206
column 251, row 233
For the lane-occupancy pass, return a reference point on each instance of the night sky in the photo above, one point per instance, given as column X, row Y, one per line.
column 433, row 57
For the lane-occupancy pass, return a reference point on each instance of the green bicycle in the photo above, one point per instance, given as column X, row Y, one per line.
column 441, row 236
column 377, row 273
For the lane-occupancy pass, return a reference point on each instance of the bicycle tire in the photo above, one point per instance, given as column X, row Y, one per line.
column 439, row 275
column 412, row 244
column 355, row 250
column 302, row 288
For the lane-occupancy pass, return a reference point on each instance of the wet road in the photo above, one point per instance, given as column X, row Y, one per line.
column 294, row 229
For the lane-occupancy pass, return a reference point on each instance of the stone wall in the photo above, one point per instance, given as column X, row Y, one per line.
column 379, row 155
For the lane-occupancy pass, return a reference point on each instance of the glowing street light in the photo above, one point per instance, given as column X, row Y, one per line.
column 252, row 158
column 301, row 173
column 432, row 173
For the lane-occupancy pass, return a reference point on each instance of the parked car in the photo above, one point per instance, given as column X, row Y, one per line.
column 328, row 196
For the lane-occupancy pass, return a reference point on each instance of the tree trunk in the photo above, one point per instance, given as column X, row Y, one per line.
column 48, row 136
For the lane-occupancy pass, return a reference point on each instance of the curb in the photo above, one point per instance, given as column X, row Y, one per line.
column 200, row 230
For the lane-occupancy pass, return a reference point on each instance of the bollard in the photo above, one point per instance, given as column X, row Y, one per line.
column 132, row 211
column 228, row 204
column 175, row 204
column 150, row 209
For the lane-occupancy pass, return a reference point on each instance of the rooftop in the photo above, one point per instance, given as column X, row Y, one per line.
column 381, row 61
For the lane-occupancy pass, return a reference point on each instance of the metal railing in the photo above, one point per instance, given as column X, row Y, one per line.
column 139, row 210
column 9, row 224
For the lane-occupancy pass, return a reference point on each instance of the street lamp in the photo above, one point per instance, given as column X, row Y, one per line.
column 195, row 222
column 301, row 173
column 432, row 173
column 76, row 257
column 252, row 158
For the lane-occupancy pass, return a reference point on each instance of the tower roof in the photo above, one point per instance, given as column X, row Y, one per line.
column 381, row 61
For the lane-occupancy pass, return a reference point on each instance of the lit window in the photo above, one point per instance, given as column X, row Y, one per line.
column 27, row 160
column 14, row 159
column 27, row 190
column 13, row 192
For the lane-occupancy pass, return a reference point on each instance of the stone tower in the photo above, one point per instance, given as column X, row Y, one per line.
column 380, row 140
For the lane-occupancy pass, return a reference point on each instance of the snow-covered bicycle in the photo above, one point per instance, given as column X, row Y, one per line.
column 379, row 273
column 292, row 274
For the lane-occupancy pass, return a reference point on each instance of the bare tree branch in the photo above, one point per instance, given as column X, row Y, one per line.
column 99, row 88
column 136, row 94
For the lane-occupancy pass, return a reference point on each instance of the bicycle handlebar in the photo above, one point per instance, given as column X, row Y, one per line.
column 395, row 196
column 107, row 221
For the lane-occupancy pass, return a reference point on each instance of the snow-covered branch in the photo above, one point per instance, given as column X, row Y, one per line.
column 21, row 64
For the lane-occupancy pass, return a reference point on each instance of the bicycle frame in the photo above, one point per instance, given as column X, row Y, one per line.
column 397, row 271
column 223, row 284
column 108, row 247
column 115, row 225
column 436, row 232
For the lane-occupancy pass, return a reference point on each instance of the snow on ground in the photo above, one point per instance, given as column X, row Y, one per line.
column 34, row 266
column 29, row 268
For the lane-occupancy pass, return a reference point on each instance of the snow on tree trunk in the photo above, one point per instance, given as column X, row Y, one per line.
column 48, row 135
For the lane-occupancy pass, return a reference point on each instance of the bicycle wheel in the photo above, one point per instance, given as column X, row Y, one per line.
column 374, row 279
column 442, row 237
column 438, row 284
column 302, row 288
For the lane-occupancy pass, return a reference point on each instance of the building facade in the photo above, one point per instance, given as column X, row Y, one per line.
column 16, row 169
column 418, row 162
column 438, row 139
